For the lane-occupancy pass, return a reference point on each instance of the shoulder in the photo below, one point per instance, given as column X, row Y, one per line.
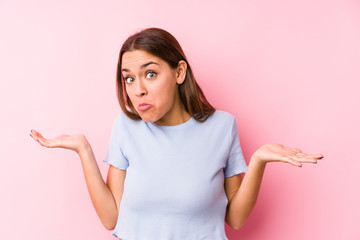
column 220, row 116
column 120, row 117
column 219, row 121
column 122, row 120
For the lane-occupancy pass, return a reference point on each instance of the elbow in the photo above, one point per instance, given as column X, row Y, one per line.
column 109, row 221
column 236, row 220
column 236, row 225
column 109, row 226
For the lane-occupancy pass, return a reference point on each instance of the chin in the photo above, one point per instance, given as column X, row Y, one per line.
column 149, row 118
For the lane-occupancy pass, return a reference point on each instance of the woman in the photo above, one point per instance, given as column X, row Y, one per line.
column 175, row 161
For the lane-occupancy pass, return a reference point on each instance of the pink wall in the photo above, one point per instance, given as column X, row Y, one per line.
column 288, row 70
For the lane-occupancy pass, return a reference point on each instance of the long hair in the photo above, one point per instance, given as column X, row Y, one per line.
column 162, row 44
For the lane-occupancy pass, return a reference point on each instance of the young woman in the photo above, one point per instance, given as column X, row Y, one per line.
column 175, row 161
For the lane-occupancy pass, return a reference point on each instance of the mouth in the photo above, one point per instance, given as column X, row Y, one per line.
column 144, row 106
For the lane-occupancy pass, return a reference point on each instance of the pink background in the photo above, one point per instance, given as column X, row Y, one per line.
column 288, row 70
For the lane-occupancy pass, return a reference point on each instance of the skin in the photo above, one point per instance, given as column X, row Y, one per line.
column 157, row 85
column 242, row 193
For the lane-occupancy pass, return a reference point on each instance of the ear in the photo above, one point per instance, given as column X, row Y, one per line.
column 181, row 72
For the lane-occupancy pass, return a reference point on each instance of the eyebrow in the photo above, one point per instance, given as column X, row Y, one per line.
column 142, row 66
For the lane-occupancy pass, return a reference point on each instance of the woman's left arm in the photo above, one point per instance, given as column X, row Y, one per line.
column 243, row 200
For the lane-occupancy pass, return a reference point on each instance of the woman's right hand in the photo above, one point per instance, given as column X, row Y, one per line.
column 75, row 142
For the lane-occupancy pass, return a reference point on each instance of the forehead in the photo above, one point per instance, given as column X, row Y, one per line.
column 136, row 58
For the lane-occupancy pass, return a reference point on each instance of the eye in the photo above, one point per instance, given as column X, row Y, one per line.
column 151, row 74
column 128, row 79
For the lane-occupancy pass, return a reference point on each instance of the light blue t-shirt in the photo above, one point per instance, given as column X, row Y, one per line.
column 174, row 185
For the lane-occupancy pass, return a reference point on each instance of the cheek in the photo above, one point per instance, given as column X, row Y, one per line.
column 165, row 93
column 130, row 93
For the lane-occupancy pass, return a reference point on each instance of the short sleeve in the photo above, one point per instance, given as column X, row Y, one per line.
column 114, row 155
column 236, row 162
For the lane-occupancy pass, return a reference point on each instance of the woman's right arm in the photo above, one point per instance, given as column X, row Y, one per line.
column 105, row 197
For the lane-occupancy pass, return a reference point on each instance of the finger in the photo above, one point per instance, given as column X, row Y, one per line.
column 295, row 163
column 318, row 156
column 36, row 133
column 33, row 136
column 41, row 140
column 303, row 159
column 309, row 155
column 291, row 161
column 46, row 142
column 50, row 143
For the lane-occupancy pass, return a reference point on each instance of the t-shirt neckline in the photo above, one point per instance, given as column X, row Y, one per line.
column 175, row 127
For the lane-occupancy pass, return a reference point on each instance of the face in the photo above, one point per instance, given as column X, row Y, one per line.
column 152, row 87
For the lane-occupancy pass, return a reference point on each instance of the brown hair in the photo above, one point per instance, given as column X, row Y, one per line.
column 162, row 44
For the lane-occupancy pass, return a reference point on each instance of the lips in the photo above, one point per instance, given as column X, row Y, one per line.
column 144, row 106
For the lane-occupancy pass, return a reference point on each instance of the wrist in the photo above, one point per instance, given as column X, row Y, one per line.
column 256, row 160
column 84, row 147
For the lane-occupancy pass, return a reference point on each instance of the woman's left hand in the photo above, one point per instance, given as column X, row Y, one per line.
column 273, row 152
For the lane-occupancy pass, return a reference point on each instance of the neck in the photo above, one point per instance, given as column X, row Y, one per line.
column 175, row 120
column 176, row 116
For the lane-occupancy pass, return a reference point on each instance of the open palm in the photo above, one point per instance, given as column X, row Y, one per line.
column 273, row 152
column 72, row 142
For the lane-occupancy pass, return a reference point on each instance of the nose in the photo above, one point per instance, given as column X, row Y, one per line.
column 140, row 89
